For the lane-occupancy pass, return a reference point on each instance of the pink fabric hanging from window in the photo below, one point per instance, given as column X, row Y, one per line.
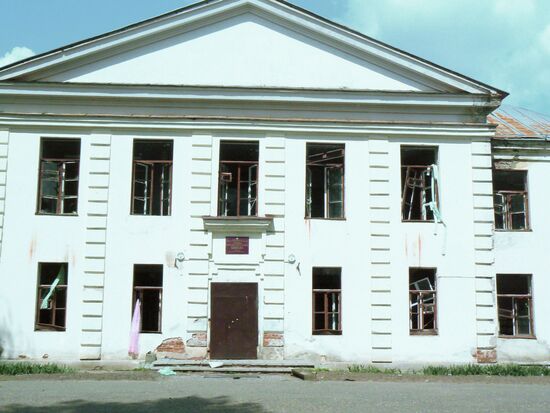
column 133, row 350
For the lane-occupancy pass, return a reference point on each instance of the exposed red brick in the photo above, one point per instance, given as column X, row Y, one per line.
column 171, row 345
column 486, row 356
column 273, row 340
column 197, row 340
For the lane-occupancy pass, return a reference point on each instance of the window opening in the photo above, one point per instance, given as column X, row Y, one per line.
column 148, row 289
column 51, row 307
column 325, row 180
column 327, row 301
column 420, row 181
column 238, row 179
column 59, row 172
column 515, row 305
column 510, row 200
column 152, row 177
column 422, row 301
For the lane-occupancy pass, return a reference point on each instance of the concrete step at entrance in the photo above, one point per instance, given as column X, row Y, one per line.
column 232, row 366
column 242, row 370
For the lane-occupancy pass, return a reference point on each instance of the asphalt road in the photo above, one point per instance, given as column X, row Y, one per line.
column 199, row 394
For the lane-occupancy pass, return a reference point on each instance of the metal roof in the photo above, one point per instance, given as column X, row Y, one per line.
column 514, row 122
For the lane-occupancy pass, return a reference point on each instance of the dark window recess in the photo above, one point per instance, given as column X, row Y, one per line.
column 324, row 180
column 510, row 200
column 422, row 301
column 419, row 182
column 327, row 301
column 152, row 178
column 238, row 180
column 58, row 180
column 148, row 289
column 51, row 306
column 515, row 305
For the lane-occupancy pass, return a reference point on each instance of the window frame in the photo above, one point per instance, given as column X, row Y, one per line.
column 138, row 291
column 41, row 327
column 152, row 163
column 326, row 189
column 402, row 167
column 240, row 166
column 325, row 293
column 61, row 169
column 420, row 314
column 529, row 298
column 507, row 195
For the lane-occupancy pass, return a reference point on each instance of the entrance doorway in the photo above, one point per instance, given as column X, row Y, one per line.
column 234, row 321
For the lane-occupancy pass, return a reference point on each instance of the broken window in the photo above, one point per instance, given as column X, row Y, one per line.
column 51, row 306
column 238, row 180
column 58, row 181
column 419, row 182
column 515, row 305
column 148, row 290
column 422, row 301
column 324, row 180
column 510, row 199
column 152, row 178
column 327, row 301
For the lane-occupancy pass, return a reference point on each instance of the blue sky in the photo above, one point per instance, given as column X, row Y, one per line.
column 505, row 43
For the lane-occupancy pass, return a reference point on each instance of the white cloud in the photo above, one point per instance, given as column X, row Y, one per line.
column 505, row 43
column 513, row 8
column 15, row 54
column 545, row 39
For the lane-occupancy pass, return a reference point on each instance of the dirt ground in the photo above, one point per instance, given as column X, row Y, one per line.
column 148, row 375
column 419, row 378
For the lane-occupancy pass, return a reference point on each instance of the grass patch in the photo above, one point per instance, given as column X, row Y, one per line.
column 321, row 370
column 15, row 369
column 492, row 370
column 359, row 368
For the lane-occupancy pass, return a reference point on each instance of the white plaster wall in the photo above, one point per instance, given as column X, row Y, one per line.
column 230, row 47
column 525, row 253
column 346, row 244
column 135, row 239
column 30, row 239
column 156, row 240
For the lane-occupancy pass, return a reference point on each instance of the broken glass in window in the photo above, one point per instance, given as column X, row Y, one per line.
column 238, row 179
column 152, row 178
column 325, row 181
column 420, row 181
column 510, row 199
column 59, row 176
column 422, row 300
column 514, row 296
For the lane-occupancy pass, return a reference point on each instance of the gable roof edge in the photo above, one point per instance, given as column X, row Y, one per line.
column 9, row 71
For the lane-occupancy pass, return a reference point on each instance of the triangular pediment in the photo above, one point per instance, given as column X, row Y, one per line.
column 246, row 50
column 241, row 43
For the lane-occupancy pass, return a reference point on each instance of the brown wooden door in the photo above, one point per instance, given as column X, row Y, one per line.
column 234, row 321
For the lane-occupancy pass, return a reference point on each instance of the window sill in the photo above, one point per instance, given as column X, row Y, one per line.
column 513, row 230
column 423, row 332
column 327, row 333
column 517, row 337
column 324, row 219
column 49, row 330
column 417, row 221
column 150, row 332
column 149, row 215
column 45, row 214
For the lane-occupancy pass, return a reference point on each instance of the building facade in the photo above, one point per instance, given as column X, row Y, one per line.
column 244, row 179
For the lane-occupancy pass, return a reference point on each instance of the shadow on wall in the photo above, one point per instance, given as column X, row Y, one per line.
column 6, row 339
column 185, row 404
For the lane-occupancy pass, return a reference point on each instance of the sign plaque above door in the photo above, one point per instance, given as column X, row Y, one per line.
column 237, row 245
